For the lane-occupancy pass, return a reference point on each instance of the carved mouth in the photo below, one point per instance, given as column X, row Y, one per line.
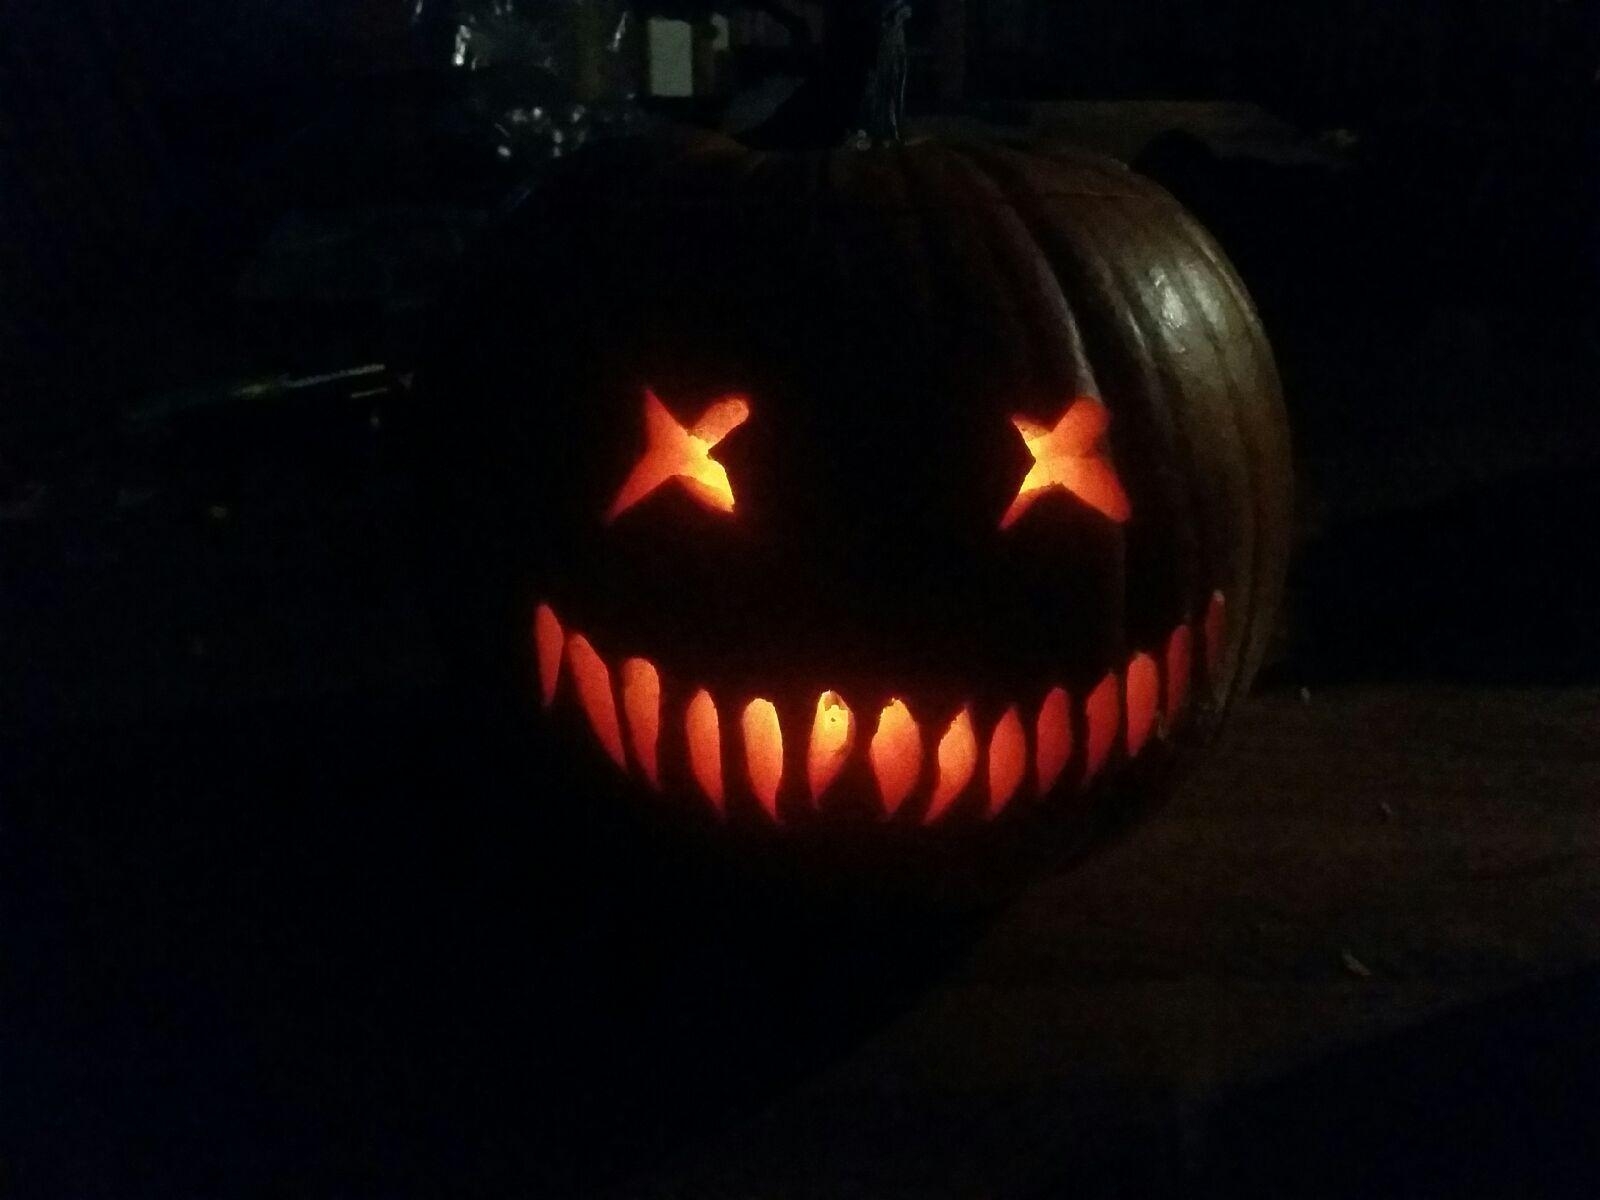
column 928, row 766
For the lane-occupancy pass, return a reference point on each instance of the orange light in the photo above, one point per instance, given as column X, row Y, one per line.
column 594, row 693
column 1008, row 760
column 763, row 752
column 673, row 452
column 1104, row 711
column 896, row 754
column 1144, row 690
column 833, row 735
column 1054, row 738
column 1070, row 455
column 958, row 760
column 548, row 640
column 641, row 703
column 1216, row 627
column 1180, row 652
column 705, row 746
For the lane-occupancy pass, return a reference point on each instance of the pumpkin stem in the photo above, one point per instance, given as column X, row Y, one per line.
column 883, row 104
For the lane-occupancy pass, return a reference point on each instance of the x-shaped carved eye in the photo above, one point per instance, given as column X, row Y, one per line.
column 1070, row 455
column 673, row 453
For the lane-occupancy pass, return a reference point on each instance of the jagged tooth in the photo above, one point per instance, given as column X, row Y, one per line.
column 1180, row 660
column 833, row 736
column 1008, row 760
column 958, row 762
column 704, row 737
column 593, row 679
column 1214, row 633
column 641, row 704
column 763, row 752
column 1104, row 713
column 549, row 641
column 896, row 755
column 1144, row 690
column 1053, row 738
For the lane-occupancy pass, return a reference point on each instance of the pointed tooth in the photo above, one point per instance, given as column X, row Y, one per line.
column 704, row 734
column 896, row 755
column 1214, row 632
column 763, row 752
column 833, row 736
column 958, row 762
column 1180, row 654
column 641, row 704
column 549, row 642
column 1144, row 689
column 1053, row 738
column 1008, row 760
column 1104, row 713
column 590, row 673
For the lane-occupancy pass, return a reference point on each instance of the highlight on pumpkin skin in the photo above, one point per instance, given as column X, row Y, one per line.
column 674, row 453
column 549, row 642
column 896, row 755
column 1071, row 455
column 958, row 762
column 704, row 736
column 1053, row 738
column 833, row 736
column 1104, row 712
column 1144, row 693
column 1008, row 760
column 641, row 704
column 593, row 678
column 1215, row 632
column 763, row 752
column 1180, row 656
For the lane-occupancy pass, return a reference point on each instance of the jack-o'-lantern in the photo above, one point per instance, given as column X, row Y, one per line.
column 918, row 496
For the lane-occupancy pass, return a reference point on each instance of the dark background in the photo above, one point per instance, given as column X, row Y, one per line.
column 275, row 922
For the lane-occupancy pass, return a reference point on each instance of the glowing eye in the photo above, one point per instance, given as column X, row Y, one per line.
column 1070, row 455
column 675, row 454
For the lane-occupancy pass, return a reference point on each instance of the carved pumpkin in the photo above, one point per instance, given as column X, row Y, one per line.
column 912, row 496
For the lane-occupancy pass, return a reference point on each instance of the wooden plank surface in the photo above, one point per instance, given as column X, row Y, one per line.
column 1357, row 865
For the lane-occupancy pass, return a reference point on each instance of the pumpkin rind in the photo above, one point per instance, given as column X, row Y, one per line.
column 887, row 312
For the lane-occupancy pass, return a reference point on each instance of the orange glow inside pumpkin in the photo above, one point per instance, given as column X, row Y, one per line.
column 673, row 452
column 896, row 755
column 833, row 735
column 1180, row 654
column 641, row 704
column 1008, row 759
column 1054, row 738
column 704, row 736
column 958, row 760
column 594, row 694
column 1128, row 705
column 1104, row 712
column 549, row 642
column 1144, row 690
column 763, row 752
column 1070, row 455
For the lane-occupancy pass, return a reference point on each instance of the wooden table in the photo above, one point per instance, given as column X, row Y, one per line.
column 1356, row 956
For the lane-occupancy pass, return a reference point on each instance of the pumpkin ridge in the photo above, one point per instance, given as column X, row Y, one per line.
column 1272, row 447
column 1224, row 408
column 965, row 254
column 1070, row 240
column 1242, row 384
column 1227, row 410
column 1012, row 254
